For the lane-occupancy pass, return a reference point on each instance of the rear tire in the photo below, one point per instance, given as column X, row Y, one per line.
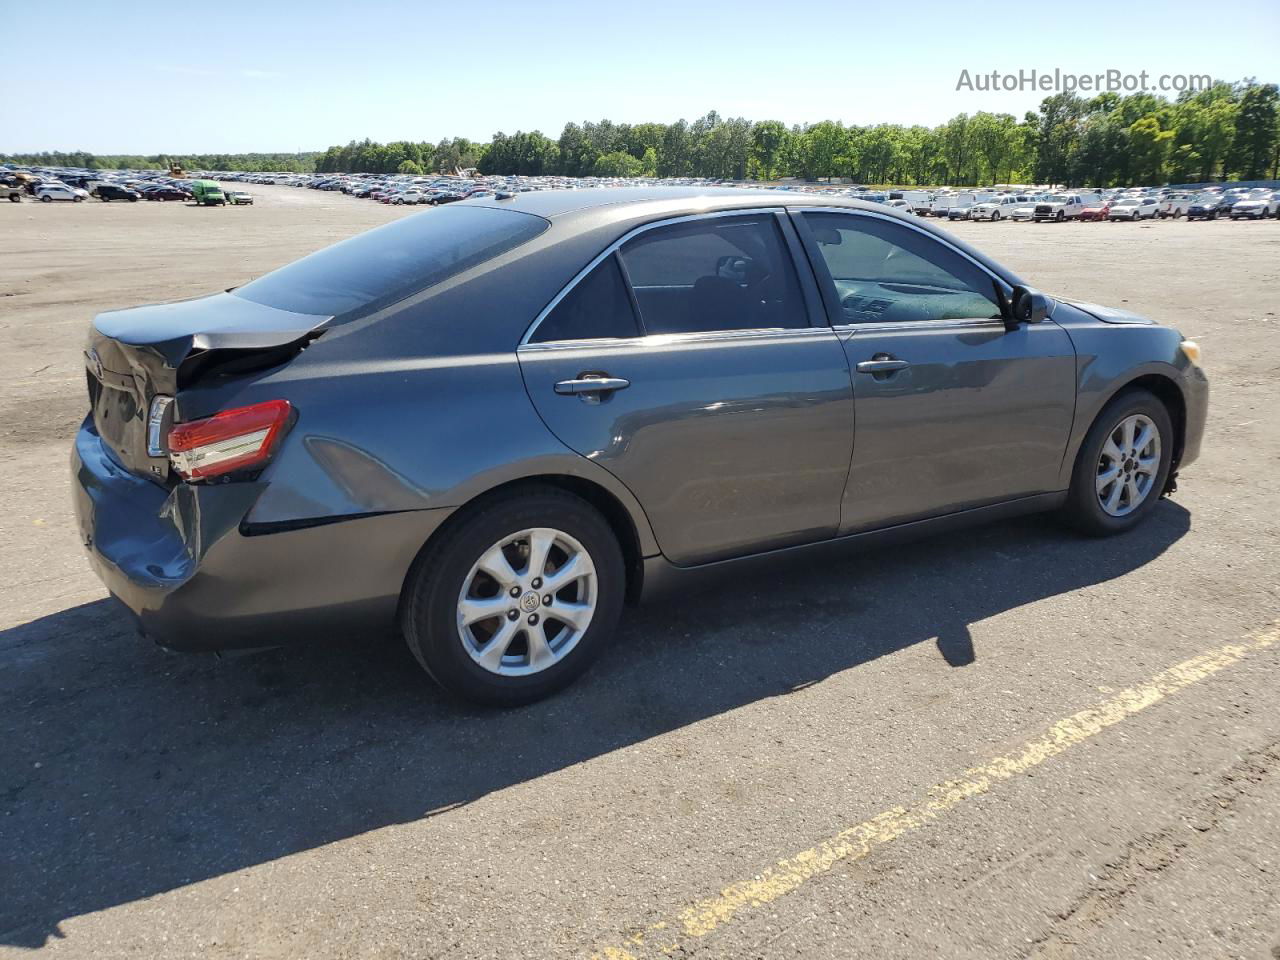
column 1086, row 507
column 450, row 572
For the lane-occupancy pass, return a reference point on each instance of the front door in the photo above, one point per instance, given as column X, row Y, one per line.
column 953, row 410
column 686, row 364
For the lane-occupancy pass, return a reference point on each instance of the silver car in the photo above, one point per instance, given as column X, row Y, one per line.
column 494, row 423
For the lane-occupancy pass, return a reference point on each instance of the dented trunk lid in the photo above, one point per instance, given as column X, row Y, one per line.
column 136, row 355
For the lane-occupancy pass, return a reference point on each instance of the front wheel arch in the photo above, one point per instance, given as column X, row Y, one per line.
column 1167, row 392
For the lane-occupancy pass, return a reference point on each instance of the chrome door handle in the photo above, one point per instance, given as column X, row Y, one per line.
column 591, row 385
column 881, row 365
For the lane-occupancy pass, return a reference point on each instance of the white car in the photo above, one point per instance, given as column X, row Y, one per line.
column 410, row 197
column 1024, row 211
column 1134, row 208
column 1256, row 208
column 48, row 192
column 997, row 208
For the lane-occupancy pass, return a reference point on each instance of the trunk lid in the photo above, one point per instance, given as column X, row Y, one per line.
column 136, row 355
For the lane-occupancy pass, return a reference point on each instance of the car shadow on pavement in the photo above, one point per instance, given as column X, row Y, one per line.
column 127, row 772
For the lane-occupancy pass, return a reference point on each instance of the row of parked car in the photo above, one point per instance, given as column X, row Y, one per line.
column 1132, row 204
column 49, row 186
column 1031, row 204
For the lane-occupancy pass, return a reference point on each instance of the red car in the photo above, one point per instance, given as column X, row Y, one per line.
column 1096, row 211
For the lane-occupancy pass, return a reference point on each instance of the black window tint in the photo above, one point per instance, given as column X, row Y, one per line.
column 393, row 261
column 887, row 272
column 599, row 306
column 720, row 273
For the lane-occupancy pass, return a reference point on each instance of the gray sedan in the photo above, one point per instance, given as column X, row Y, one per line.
column 492, row 424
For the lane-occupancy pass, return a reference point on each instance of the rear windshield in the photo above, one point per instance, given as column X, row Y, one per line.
column 393, row 261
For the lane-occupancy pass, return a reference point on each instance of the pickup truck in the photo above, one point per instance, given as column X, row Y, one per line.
column 964, row 203
column 1175, row 205
column 919, row 201
column 1062, row 206
column 12, row 193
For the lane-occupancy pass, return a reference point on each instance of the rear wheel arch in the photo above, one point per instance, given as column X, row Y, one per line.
column 610, row 507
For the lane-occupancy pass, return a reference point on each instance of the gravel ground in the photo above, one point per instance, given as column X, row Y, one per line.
column 866, row 757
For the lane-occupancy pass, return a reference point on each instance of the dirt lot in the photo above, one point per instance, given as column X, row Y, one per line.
column 1008, row 743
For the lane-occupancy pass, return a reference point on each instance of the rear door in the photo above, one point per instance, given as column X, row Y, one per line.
column 693, row 361
column 953, row 411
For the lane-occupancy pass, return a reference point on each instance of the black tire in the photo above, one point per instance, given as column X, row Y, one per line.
column 1061, row 216
column 15, row 198
column 46, row 199
column 429, row 603
column 1082, row 508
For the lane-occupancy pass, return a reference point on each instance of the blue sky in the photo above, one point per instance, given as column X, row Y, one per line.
column 276, row 76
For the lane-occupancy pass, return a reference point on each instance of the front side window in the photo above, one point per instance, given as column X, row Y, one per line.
column 885, row 272
column 718, row 273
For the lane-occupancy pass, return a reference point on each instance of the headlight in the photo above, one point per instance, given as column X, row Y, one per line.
column 1191, row 350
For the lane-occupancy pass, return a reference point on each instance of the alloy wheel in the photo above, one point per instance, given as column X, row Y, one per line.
column 527, row 602
column 1128, row 465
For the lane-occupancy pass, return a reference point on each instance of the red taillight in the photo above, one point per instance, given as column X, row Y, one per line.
column 231, row 440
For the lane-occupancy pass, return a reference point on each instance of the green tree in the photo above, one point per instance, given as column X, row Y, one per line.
column 767, row 140
column 617, row 163
column 1257, row 129
column 1148, row 147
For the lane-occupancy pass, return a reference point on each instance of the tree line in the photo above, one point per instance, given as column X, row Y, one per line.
column 304, row 162
column 1227, row 131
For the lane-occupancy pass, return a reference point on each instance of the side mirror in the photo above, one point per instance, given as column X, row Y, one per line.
column 1024, row 306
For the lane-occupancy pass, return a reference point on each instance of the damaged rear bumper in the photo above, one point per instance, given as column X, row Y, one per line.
column 180, row 560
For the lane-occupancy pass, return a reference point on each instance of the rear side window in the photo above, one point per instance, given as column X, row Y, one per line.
column 598, row 306
column 389, row 263
column 718, row 273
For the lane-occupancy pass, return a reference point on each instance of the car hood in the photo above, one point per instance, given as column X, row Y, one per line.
column 1108, row 314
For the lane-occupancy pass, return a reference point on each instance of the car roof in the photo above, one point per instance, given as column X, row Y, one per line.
column 613, row 210
column 554, row 204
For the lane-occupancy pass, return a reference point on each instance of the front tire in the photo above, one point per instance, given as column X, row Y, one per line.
column 1123, row 465
column 475, row 608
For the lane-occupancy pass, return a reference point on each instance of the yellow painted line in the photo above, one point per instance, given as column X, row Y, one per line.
column 786, row 876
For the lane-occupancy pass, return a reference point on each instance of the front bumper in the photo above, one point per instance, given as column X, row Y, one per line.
column 180, row 561
column 1195, row 394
